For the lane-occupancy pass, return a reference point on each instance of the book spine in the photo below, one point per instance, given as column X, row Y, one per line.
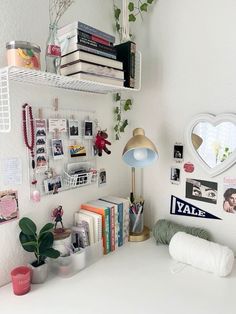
column 94, row 38
column 93, row 31
column 107, row 230
column 120, row 221
column 112, row 228
column 94, row 51
column 94, row 44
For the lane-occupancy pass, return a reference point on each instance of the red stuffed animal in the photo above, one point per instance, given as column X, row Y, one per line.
column 100, row 142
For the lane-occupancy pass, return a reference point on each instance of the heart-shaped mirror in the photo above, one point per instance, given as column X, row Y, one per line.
column 212, row 141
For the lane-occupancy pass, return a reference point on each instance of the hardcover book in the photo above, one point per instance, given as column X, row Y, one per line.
column 98, row 79
column 79, row 55
column 126, row 54
column 90, row 68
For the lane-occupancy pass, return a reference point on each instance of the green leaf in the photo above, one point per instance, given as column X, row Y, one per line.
column 118, row 117
column 131, row 6
column 27, row 226
column 117, row 26
column 117, row 97
column 48, row 227
column 132, row 18
column 144, row 7
column 46, row 242
column 150, row 1
column 128, row 104
column 116, row 127
column 226, row 149
column 124, row 125
column 117, row 12
column 28, row 242
column 117, row 137
column 52, row 253
column 117, row 110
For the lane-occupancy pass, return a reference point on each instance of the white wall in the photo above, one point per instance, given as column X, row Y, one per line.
column 189, row 68
column 28, row 20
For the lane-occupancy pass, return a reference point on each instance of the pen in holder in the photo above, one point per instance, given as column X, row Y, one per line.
column 136, row 218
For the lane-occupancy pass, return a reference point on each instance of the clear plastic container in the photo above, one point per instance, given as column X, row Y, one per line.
column 23, row 54
column 135, row 223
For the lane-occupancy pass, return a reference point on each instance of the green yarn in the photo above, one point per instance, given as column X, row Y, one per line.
column 164, row 230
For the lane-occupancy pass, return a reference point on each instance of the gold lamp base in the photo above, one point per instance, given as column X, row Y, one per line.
column 138, row 237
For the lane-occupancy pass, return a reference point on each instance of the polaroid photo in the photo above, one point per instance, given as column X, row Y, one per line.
column 41, row 140
column 204, row 191
column 178, row 152
column 88, row 129
column 175, row 175
column 41, row 160
column 53, row 185
column 57, row 125
column 77, row 151
column 40, row 126
column 57, row 149
column 74, row 129
column 102, row 177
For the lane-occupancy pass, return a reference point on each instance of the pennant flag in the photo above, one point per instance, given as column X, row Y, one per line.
column 182, row 208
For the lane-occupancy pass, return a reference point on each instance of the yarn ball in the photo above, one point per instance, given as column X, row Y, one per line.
column 164, row 230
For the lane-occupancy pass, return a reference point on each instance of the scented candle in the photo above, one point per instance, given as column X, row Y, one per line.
column 23, row 54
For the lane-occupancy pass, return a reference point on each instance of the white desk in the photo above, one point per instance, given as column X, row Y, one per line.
column 135, row 279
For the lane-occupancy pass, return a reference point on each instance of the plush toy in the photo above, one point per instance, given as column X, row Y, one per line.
column 101, row 142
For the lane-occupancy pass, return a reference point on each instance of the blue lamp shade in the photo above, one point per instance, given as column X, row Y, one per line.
column 139, row 151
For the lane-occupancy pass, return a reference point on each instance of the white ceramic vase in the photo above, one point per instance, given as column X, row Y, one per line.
column 39, row 274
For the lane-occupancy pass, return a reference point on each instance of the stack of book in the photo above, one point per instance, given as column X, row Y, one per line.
column 89, row 54
column 107, row 219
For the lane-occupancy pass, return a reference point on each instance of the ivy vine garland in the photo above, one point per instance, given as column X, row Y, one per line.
column 122, row 105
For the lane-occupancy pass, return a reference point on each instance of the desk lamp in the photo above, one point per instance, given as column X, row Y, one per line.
column 139, row 152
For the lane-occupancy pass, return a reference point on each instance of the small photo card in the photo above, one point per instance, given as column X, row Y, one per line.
column 57, row 125
column 229, row 202
column 102, row 177
column 201, row 190
column 74, row 129
column 53, row 185
column 8, row 206
column 57, row 149
column 88, row 129
column 77, row 151
column 40, row 125
column 178, row 152
column 41, row 160
column 175, row 175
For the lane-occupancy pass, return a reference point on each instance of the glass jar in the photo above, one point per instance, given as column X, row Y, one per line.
column 53, row 51
column 23, row 54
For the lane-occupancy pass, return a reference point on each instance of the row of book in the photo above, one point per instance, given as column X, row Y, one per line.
column 105, row 219
column 91, row 54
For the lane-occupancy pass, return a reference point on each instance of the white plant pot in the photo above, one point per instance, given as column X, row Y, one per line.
column 39, row 274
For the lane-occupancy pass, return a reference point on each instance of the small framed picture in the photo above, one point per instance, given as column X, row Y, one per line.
column 175, row 175
column 102, row 177
column 57, row 125
column 178, row 152
column 88, row 129
column 57, row 149
column 73, row 129
column 77, row 151
column 53, row 185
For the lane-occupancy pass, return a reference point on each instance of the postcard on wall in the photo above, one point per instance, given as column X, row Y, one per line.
column 229, row 202
column 12, row 171
column 77, row 151
column 102, row 177
column 200, row 190
column 74, row 129
column 8, row 206
column 175, row 175
column 57, row 125
column 88, row 129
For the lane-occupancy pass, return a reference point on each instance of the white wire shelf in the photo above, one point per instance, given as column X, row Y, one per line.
column 35, row 77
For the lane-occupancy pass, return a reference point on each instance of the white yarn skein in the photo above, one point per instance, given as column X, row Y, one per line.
column 202, row 254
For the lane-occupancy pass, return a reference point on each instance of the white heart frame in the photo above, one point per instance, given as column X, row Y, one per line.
column 214, row 120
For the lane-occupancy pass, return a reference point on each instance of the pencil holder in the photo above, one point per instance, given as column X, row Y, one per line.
column 135, row 223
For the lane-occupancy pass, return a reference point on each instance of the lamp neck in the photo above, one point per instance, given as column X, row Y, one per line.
column 133, row 185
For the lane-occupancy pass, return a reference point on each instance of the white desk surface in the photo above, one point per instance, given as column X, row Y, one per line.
column 137, row 279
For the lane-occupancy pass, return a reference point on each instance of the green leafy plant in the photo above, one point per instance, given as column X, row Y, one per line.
column 39, row 244
column 122, row 105
column 135, row 8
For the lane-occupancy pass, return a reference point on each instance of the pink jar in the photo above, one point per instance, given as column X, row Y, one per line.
column 23, row 54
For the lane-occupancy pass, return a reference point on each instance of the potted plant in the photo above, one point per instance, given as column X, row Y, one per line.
column 39, row 244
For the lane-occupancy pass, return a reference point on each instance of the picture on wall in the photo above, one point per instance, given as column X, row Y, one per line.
column 88, row 129
column 77, row 151
column 229, row 202
column 200, row 190
column 178, row 153
column 8, row 206
column 175, row 175
column 57, row 149
column 53, row 185
column 73, row 129
column 57, row 125
column 102, row 179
